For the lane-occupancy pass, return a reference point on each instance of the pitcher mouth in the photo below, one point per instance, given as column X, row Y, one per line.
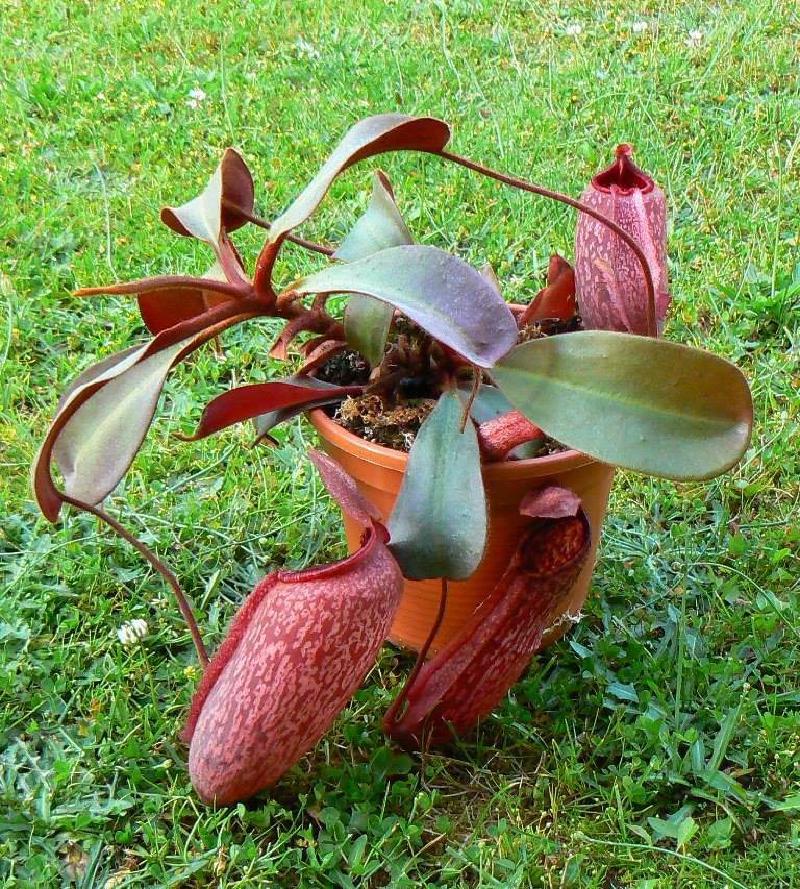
column 623, row 175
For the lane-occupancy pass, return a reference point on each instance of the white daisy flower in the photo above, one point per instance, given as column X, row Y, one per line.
column 695, row 38
column 574, row 30
column 133, row 631
column 305, row 49
column 196, row 96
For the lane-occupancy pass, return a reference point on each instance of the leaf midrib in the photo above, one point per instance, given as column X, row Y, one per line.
column 641, row 407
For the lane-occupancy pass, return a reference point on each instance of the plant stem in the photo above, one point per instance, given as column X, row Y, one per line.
column 310, row 245
column 160, row 567
column 397, row 704
column 476, row 383
column 531, row 187
column 263, row 223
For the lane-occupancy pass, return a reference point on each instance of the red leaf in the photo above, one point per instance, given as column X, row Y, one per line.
column 343, row 489
column 321, row 354
column 167, row 300
column 247, row 402
column 557, row 300
column 166, row 308
column 468, row 677
column 166, row 283
column 368, row 137
column 218, row 208
column 311, row 320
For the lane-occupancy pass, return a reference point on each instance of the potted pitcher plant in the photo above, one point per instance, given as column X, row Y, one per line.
column 470, row 443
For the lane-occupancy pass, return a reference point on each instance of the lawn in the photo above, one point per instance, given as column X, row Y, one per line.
column 658, row 745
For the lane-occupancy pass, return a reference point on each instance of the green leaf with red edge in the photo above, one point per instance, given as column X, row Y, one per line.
column 380, row 227
column 286, row 398
column 99, row 441
column 368, row 137
column 87, row 384
column 101, row 422
column 490, row 275
column 452, row 301
column 103, row 369
column 438, row 525
column 367, row 320
column 220, row 207
column 637, row 402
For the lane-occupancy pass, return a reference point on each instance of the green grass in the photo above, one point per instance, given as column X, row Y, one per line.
column 658, row 745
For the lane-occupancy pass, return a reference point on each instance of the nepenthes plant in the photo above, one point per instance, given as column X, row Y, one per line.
column 582, row 364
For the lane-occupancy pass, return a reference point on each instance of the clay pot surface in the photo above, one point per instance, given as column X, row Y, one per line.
column 378, row 472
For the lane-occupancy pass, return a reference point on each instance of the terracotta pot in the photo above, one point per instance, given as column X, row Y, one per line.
column 378, row 471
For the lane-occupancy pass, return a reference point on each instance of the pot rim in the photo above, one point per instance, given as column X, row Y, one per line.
column 550, row 464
